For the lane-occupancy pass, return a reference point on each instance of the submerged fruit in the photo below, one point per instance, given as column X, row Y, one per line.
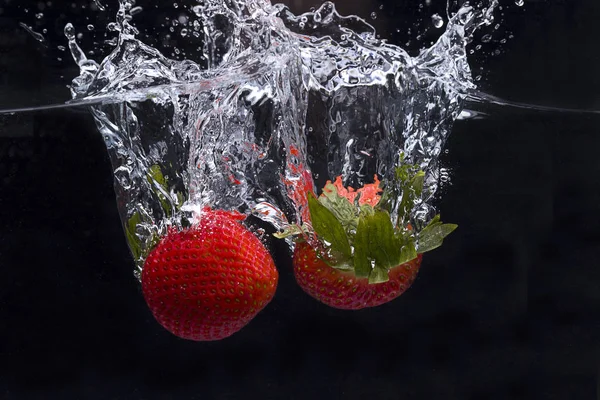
column 342, row 289
column 351, row 253
column 208, row 281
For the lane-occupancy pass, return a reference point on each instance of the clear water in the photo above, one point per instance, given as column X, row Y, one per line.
column 272, row 103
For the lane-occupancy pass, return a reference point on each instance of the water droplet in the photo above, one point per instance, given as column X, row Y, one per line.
column 486, row 38
column 39, row 15
column 175, row 5
column 184, row 32
column 90, row 27
column 79, row 35
column 373, row 15
column 37, row 36
column 519, row 2
column 69, row 31
column 136, row 10
column 437, row 20
column 97, row 3
column 61, row 48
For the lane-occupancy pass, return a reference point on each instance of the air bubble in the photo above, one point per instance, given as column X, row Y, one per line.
column 437, row 20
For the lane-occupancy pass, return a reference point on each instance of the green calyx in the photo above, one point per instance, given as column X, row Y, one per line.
column 363, row 238
column 170, row 203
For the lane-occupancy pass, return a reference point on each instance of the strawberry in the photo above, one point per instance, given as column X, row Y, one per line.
column 342, row 289
column 351, row 253
column 208, row 281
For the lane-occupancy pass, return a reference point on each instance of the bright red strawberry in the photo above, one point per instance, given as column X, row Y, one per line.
column 342, row 289
column 351, row 253
column 207, row 282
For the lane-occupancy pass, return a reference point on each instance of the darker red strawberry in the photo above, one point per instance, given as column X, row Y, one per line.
column 209, row 281
column 342, row 289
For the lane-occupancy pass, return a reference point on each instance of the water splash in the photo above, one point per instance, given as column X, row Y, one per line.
column 274, row 104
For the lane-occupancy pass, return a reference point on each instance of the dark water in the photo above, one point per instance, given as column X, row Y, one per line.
column 508, row 308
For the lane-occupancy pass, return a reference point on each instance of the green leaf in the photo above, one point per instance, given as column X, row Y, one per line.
column 328, row 228
column 344, row 211
column 180, row 199
column 130, row 232
column 385, row 246
column 432, row 236
column 291, row 230
column 408, row 253
column 378, row 275
column 417, row 183
column 362, row 264
column 155, row 173
column 376, row 244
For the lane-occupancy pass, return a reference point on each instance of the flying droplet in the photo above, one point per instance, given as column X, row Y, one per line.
column 90, row 27
column 69, row 31
column 486, row 38
column 39, row 15
column 373, row 15
column 197, row 10
column 520, row 3
column 437, row 20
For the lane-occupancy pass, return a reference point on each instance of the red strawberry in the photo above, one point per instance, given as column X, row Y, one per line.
column 350, row 254
column 207, row 282
column 342, row 289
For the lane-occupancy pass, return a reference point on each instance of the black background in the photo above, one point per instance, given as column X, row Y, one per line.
column 508, row 308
